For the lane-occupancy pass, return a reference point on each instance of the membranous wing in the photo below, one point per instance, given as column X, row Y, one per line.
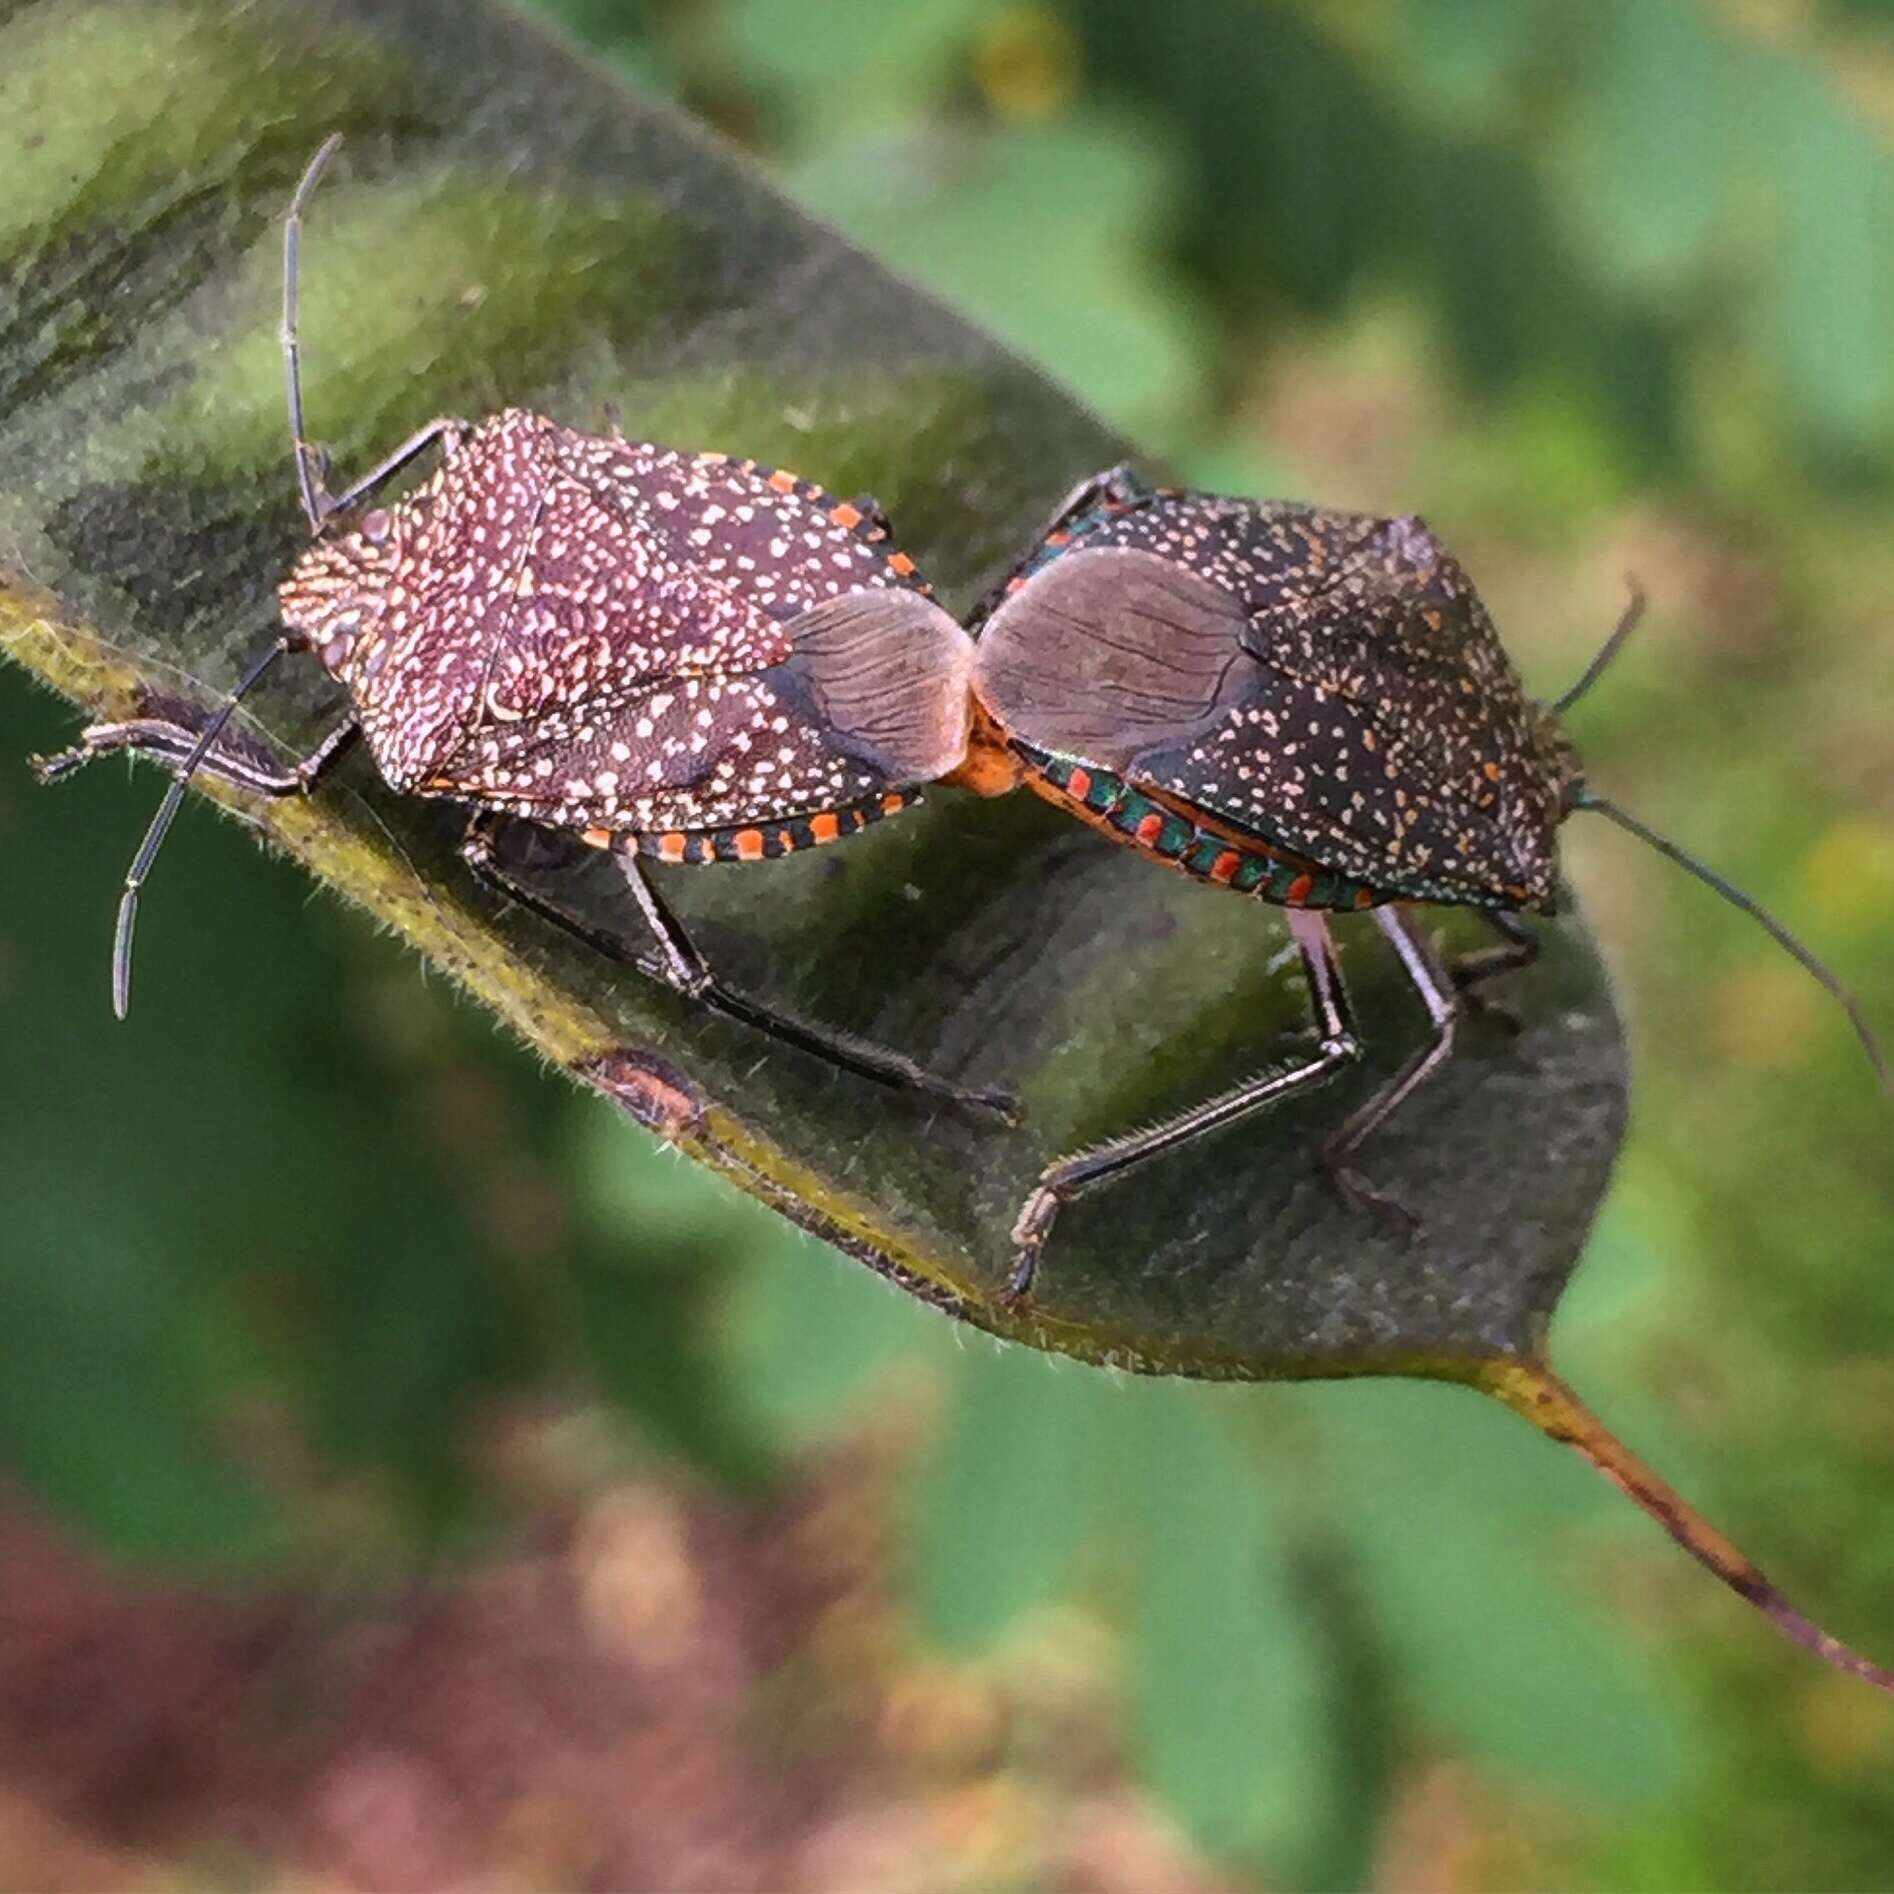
column 1325, row 681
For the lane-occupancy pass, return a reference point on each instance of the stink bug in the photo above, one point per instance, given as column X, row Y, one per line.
column 1307, row 706
column 675, row 657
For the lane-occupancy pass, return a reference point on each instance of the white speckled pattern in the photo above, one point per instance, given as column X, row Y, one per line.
column 1328, row 682
column 604, row 634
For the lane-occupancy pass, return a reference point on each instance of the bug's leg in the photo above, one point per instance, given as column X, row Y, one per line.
column 1338, row 1047
column 248, row 768
column 256, row 771
column 680, row 966
column 1518, row 949
column 446, row 428
column 189, row 753
column 1113, row 483
column 1437, row 994
column 691, row 974
column 477, row 851
column 875, row 520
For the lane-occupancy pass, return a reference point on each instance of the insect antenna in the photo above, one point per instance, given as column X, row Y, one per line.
column 310, row 471
column 309, row 479
column 167, row 814
column 1633, row 611
column 1584, row 798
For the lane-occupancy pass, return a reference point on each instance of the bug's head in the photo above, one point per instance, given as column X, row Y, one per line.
column 1558, row 759
column 336, row 592
column 1557, row 753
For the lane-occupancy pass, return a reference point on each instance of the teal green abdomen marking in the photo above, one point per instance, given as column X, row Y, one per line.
column 1148, row 824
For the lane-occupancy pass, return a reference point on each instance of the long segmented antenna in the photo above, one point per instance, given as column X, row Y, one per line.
column 317, row 506
column 166, row 815
column 309, row 483
column 1584, row 798
column 1596, row 669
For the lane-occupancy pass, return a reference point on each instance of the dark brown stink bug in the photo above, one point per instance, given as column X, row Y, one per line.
column 676, row 657
column 1307, row 706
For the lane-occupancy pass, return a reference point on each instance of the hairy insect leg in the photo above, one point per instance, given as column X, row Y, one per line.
column 874, row 516
column 188, row 750
column 166, row 742
column 1112, row 483
column 691, row 974
column 446, row 428
column 1471, row 972
column 477, row 851
column 681, row 966
column 1437, row 995
column 1338, row 1047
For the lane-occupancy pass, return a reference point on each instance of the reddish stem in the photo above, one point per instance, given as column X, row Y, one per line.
column 1537, row 1393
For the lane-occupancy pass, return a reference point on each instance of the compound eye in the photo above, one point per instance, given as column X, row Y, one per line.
column 377, row 523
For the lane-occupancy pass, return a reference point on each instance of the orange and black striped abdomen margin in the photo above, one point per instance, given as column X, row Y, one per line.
column 764, row 841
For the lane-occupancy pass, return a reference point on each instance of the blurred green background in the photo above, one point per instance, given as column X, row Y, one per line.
column 347, row 1312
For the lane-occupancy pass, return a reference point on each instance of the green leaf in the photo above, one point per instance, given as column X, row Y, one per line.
column 1232, row 1730
column 866, row 65
column 808, row 1335
column 1069, row 291
column 96, row 1415
column 662, row 1374
column 1007, row 1500
column 1466, row 56
column 1650, row 146
column 1829, row 319
column 1458, row 1526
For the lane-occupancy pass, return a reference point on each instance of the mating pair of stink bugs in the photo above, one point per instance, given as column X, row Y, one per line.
column 687, row 658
